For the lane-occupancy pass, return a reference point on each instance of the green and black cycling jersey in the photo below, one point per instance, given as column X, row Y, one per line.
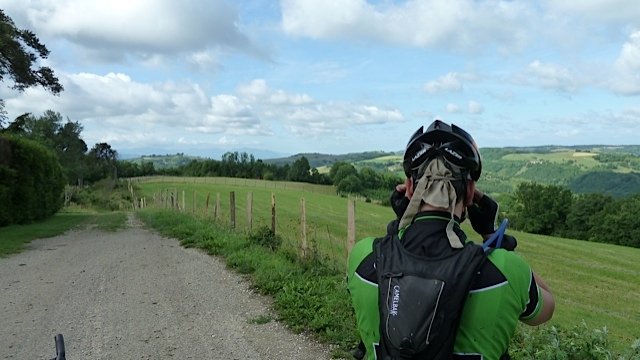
column 503, row 292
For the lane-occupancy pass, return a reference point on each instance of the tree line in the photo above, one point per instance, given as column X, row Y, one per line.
column 554, row 210
column 63, row 138
column 365, row 182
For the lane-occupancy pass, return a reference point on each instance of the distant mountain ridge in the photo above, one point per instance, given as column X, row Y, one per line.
column 318, row 160
column 607, row 169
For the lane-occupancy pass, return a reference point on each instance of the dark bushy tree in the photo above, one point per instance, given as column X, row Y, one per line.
column 341, row 170
column 585, row 211
column 540, row 209
column 61, row 137
column 619, row 223
column 102, row 162
column 20, row 50
column 350, row 184
column 300, row 170
column 31, row 181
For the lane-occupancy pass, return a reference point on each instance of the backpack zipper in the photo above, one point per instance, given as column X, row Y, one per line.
column 435, row 311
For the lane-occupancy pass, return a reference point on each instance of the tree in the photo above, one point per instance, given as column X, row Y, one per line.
column 71, row 150
column 63, row 139
column 299, row 171
column 31, row 181
column 102, row 162
column 19, row 51
column 349, row 184
column 370, row 178
column 341, row 170
column 619, row 223
column 541, row 209
column 586, row 211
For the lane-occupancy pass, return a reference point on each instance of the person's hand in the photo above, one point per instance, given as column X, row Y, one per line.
column 483, row 213
column 399, row 201
column 508, row 243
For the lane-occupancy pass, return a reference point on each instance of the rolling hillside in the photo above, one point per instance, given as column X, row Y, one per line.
column 612, row 170
column 165, row 161
column 583, row 169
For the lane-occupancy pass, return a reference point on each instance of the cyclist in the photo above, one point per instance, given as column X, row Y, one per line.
column 442, row 165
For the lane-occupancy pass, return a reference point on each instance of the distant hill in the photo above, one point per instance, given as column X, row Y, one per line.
column 317, row 160
column 613, row 170
column 604, row 169
column 165, row 161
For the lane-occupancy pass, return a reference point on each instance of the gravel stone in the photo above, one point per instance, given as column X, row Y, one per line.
column 133, row 294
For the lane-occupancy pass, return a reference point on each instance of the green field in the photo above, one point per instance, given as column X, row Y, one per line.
column 584, row 160
column 594, row 282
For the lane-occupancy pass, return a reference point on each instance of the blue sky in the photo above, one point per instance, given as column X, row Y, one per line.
column 205, row 77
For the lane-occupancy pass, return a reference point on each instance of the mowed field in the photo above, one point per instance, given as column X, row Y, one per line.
column 593, row 282
column 583, row 159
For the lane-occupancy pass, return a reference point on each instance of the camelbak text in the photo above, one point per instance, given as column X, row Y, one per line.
column 395, row 300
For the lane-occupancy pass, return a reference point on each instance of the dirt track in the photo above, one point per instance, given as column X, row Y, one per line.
column 134, row 295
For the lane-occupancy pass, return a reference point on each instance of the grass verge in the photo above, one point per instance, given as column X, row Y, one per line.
column 309, row 296
column 14, row 237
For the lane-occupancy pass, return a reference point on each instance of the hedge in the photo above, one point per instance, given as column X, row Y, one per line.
column 31, row 181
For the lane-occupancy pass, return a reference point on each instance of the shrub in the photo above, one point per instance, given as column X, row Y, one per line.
column 578, row 342
column 31, row 181
column 263, row 236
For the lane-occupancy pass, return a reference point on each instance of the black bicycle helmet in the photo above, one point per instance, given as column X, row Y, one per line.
column 449, row 141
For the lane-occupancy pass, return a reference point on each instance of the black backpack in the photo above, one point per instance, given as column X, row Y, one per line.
column 420, row 299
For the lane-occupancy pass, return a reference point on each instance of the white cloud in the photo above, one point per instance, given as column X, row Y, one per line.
column 114, row 107
column 626, row 79
column 334, row 118
column 599, row 10
column 113, row 28
column 450, row 82
column 548, row 76
column 461, row 24
column 203, row 61
column 475, row 107
column 453, row 108
column 229, row 114
column 258, row 91
column 123, row 108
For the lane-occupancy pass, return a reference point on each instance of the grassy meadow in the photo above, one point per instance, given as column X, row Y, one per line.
column 326, row 213
column 592, row 282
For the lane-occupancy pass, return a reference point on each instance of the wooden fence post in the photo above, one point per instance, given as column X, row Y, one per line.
column 232, row 208
column 303, row 225
column 184, row 207
column 176, row 206
column 250, row 211
column 216, row 212
column 193, row 209
column 351, row 224
column 206, row 205
column 273, row 213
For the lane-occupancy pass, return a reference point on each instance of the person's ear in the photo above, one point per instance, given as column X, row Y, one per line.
column 408, row 182
column 471, row 189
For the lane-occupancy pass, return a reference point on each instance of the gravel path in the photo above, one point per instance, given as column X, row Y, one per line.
column 133, row 294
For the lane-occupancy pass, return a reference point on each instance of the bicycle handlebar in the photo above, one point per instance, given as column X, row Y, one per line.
column 59, row 347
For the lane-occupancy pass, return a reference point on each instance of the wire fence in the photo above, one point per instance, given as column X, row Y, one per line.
column 247, row 209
